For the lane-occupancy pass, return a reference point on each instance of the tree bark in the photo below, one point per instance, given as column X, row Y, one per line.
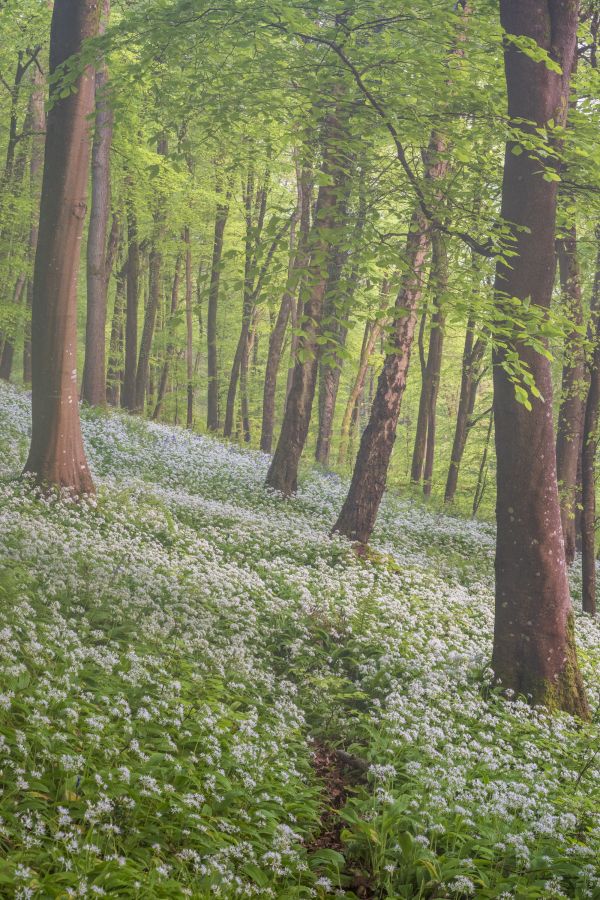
column 588, row 455
column 114, row 375
column 222, row 211
column 170, row 349
column 439, row 265
column 534, row 648
column 56, row 455
column 131, row 315
column 8, row 348
column 357, row 517
column 283, row 472
column 93, row 388
column 471, row 361
column 189, row 330
column 38, row 127
column 572, row 406
column 358, row 514
column 154, row 291
column 372, row 333
column 338, row 300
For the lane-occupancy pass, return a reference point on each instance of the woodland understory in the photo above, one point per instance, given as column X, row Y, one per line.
column 299, row 425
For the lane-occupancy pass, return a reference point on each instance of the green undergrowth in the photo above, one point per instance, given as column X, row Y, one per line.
column 172, row 656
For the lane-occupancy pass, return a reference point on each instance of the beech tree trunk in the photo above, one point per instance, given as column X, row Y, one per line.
column 283, row 471
column 131, row 315
column 189, row 329
column 276, row 340
column 534, row 647
column 297, row 265
column 439, row 255
column 154, row 292
column 574, row 389
column 588, row 455
column 170, row 349
column 359, row 511
column 372, row 333
column 358, row 514
column 338, row 301
column 422, row 462
column 38, row 126
column 56, row 455
column 222, row 211
column 114, row 375
column 471, row 362
column 93, row 388
column 254, row 214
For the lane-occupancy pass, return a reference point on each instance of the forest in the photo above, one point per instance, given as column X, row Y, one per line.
column 283, row 615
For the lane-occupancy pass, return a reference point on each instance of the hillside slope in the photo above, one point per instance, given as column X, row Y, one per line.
column 180, row 660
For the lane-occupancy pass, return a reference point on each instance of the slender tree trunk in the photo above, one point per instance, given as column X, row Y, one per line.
column 114, row 376
column 170, row 349
column 276, row 340
column 588, row 455
column 283, row 472
column 357, row 517
column 56, row 455
column 338, row 300
column 8, row 348
column 358, row 514
column 38, row 126
column 251, row 242
column 154, row 292
column 482, row 474
column 572, row 406
column 222, row 211
column 93, row 388
column 534, row 648
column 423, row 413
column 422, row 461
column 131, row 316
column 439, row 256
column 189, row 330
column 471, row 361
column 371, row 336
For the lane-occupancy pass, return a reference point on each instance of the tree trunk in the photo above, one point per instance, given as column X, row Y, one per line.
column 222, row 211
column 189, row 330
column 358, row 514
column 114, row 375
column 276, row 339
column 170, row 349
column 251, row 245
column 422, row 461
column 471, row 361
column 283, row 472
column 93, row 388
column 154, row 292
column 439, row 265
column 572, row 406
column 357, row 517
column 338, row 300
column 422, row 415
column 482, row 474
column 56, row 455
column 534, row 647
column 131, row 315
column 588, row 455
column 372, row 333
column 38, row 126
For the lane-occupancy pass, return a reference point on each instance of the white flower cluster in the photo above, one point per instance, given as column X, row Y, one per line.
column 168, row 651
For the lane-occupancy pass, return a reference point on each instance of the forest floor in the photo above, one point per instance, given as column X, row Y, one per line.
column 182, row 661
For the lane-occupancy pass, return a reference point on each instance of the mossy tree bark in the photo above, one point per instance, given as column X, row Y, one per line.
column 56, row 455
column 534, row 649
